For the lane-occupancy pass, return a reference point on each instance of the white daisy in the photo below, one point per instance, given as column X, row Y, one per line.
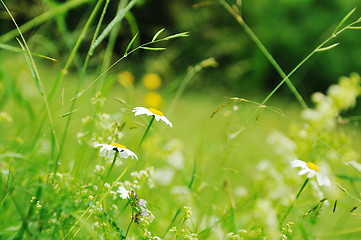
column 109, row 150
column 152, row 112
column 312, row 170
column 123, row 193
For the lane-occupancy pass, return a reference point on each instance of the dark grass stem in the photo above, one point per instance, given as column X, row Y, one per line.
column 111, row 167
column 267, row 54
column 76, row 47
column 62, row 8
column 294, row 201
column 285, row 77
column 38, row 82
column 110, row 46
column 89, row 54
column 146, row 131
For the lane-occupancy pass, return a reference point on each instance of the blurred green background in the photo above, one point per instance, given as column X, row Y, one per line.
column 289, row 30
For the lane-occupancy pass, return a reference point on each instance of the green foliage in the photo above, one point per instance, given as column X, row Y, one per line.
column 78, row 160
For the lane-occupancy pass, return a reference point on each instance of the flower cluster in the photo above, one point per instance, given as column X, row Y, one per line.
column 141, row 214
column 339, row 97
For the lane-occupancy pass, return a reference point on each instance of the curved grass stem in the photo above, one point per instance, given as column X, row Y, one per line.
column 294, row 201
column 146, row 131
column 126, row 233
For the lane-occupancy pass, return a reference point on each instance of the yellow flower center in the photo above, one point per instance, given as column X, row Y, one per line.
column 155, row 111
column 312, row 166
column 118, row 145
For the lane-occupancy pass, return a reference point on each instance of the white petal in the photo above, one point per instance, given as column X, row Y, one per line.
column 103, row 150
column 303, row 171
column 97, row 145
column 323, row 180
column 164, row 119
column 298, row 163
column 110, row 154
column 311, row 173
column 131, row 154
column 140, row 110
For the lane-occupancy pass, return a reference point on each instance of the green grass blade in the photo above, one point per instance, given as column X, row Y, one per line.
column 266, row 53
column 157, row 34
column 41, row 19
column 111, row 25
column 76, row 47
column 153, row 48
column 327, row 48
column 344, row 20
column 19, row 50
column 130, row 44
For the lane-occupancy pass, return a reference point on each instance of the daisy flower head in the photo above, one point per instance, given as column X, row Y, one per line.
column 311, row 170
column 109, row 150
column 152, row 112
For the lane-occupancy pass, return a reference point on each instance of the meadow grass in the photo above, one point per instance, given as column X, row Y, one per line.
column 223, row 167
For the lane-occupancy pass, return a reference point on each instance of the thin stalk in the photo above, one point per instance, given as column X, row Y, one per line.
column 265, row 52
column 173, row 220
column 38, row 81
column 96, row 206
column 110, row 46
column 79, row 84
column 126, row 54
column 190, row 74
column 111, row 167
column 42, row 18
column 146, row 131
column 294, row 201
column 319, row 48
column 126, row 234
column 75, row 49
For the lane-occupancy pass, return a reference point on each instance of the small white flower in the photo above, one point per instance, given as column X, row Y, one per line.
column 109, row 150
column 123, row 193
column 312, row 170
column 152, row 112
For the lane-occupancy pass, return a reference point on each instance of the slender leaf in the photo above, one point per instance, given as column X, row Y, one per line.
column 42, row 18
column 327, row 48
column 32, row 69
column 178, row 35
column 344, row 20
column 152, row 49
column 130, row 44
column 111, row 25
column 68, row 113
column 157, row 34
column 19, row 50
column 354, row 27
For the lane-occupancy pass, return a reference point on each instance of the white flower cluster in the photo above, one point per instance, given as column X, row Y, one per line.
column 187, row 213
column 339, row 97
column 5, row 117
column 98, row 100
